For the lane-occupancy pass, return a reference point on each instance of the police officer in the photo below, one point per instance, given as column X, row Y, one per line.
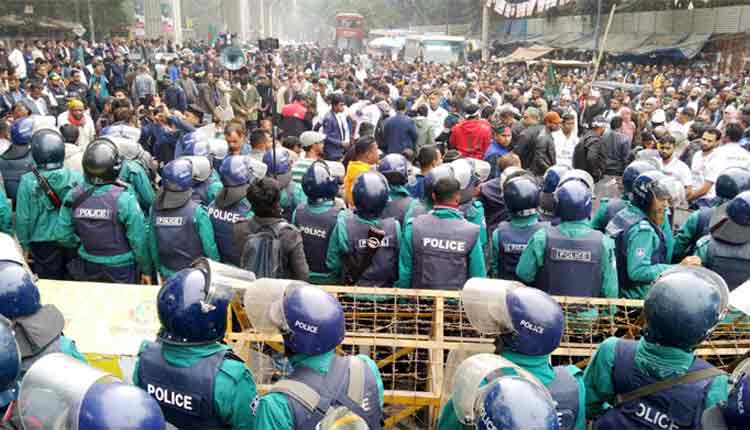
column 731, row 182
column 571, row 259
column 441, row 250
column 61, row 393
column 521, row 197
column 317, row 219
column 313, row 325
column 680, row 311
column 17, row 159
column 37, row 205
column 472, row 209
column 551, row 180
column 280, row 167
column 734, row 414
column 609, row 207
column 38, row 328
column 197, row 380
column 530, row 324
column 364, row 246
column 135, row 170
column 513, row 403
column 401, row 205
column 727, row 250
column 10, row 363
column 103, row 219
column 180, row 230
column 231, row 206
column 643, row 250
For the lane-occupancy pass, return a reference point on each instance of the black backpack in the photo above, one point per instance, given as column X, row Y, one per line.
column 263, row 252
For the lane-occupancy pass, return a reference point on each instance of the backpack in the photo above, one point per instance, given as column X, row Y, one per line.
column 263, row 252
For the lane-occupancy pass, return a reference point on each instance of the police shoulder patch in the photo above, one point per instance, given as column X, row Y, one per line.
column 644, row 225
column 640, row 252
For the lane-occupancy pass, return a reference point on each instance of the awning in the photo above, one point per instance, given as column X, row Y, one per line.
column 678, row 46
column 521, row 55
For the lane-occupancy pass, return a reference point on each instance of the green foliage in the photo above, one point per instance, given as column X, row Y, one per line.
column 110, row 16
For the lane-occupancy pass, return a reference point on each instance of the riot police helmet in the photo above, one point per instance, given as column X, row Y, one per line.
column 116, row 406
column 313, row 320
column 19, row 295
column 101, row 162
column 731, row 182
column 280, row 164
column 48, row 149
column 191, row 309
column 177, row 175
column 10, row 355
column 395, row 168
column 634, row 170
column 318, row 183
column 370, row 194
column 552, row 177
column 683, row 307
column 730, row 222
column 573, row 201
column 69, row 133
column 515, row 403
column 439, row 172
column 521, row 195
column 239, row 170
column 22, row 130
column 647, row 187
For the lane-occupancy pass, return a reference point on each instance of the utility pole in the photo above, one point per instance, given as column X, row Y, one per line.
column 598, row 27
column 485, row 30
column 91, row 22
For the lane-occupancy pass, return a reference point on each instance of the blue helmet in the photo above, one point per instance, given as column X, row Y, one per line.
column 191, row 309
column 515, row 403
column 521, row 195
column 634, row 170
column 189, row 141
column 22, row 130
column 234, row 171
column 10, row 355
column 370, row 194
column 573, row 201
column 48, row 149
column 537, row 319
column 731, row 182
column 552, row 177
column 439, row 172
column 318, row 183
column 314, row 318
column 19, row 296
column 395, row 168
column 683, row 306
column 648, row 186
column 177, row 175
column 116, row 406
column 283, row 163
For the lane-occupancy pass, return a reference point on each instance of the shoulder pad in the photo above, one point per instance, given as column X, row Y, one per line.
column 644, row 225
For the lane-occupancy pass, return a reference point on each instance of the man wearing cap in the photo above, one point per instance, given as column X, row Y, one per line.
column 312, row 145
column 77, row 116
column 58, row 94
column 472, row 136
column 590, row 155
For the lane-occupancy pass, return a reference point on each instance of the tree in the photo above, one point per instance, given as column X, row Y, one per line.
column 110, row 16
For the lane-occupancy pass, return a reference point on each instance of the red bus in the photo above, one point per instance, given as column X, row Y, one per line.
column 350, row 32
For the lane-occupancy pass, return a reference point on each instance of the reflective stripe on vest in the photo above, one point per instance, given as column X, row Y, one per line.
column 223, row 221
column 316, row 231
column 332, row 389
column 730, row 261
column 441, row 249
column 512, row 241
column 185, row 394
column 97, row 223
column 383, row 270
column 676, row 408
column 572, row 267
column 179, row 243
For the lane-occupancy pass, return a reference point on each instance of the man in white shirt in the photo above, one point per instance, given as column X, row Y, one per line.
column 566, row 140
column 17, row 60
column 720, row 159
column 614, row 109
column 683, row 121
column 436, row 115
column 673, row 166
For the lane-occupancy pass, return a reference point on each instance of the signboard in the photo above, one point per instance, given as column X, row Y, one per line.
column 523, row 8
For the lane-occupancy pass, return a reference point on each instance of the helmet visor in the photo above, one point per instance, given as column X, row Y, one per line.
column 484, row 302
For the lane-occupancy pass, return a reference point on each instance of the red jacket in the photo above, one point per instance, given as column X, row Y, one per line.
column 471, row 138
column 295, row 110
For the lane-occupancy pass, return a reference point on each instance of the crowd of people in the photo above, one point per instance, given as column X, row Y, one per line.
column 128, row 162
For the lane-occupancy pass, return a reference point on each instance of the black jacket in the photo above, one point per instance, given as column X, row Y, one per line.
column 590, row 156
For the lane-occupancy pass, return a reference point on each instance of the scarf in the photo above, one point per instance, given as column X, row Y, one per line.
column 76, row 122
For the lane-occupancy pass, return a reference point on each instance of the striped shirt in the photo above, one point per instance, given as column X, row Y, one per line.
column 300, row 168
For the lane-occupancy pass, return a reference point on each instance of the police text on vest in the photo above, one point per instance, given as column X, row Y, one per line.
column 162, row 395
column 92, row 213
column 447, row 245
column 655, row 417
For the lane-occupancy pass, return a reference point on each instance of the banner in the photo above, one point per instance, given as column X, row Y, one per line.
column 524, row 8
column 167, row 17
